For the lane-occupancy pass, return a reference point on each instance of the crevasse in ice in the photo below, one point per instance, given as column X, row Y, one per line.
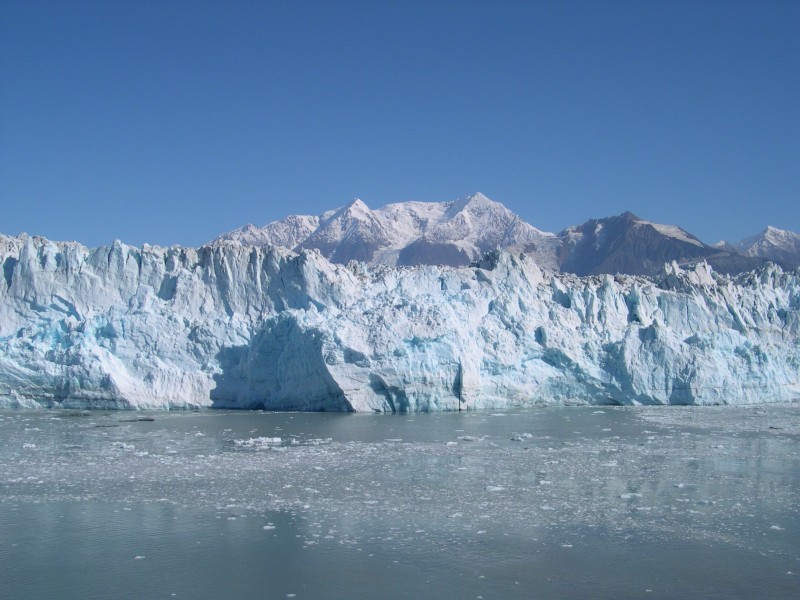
column 232, row 325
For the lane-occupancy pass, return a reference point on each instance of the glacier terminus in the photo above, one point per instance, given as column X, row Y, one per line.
column 236, row 325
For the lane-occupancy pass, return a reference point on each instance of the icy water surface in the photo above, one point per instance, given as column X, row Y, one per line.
column 582, row 502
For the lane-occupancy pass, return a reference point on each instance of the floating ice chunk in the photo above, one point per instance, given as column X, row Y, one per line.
column 258, row 442
column 318, row 441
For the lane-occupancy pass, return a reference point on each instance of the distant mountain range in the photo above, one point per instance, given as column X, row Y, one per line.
column 777, row 245
column 459, row 232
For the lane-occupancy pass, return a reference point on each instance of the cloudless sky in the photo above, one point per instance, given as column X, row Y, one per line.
column 173, row 121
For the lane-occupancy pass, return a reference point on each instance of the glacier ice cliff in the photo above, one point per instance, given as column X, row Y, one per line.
column 232, row 325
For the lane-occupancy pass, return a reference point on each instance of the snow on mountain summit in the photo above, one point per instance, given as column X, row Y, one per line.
column 461, row 231
column 286, row 233
column 775, row 244
column 352, row 232
column 628, row 244
column 407, row 233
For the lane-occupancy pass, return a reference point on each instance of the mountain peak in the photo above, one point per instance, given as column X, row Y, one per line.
column 462, row 230
column 478, row 197
column 476, row 201
column 774, row 232
column 356, row 208
column 777, row 245
column 356, row 204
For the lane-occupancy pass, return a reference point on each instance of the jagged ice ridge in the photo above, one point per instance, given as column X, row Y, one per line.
column 231, row 325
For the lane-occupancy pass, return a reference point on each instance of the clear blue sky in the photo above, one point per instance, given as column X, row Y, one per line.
column 171, row 122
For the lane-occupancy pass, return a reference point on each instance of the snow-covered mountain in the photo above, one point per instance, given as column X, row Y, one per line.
column 628, row 244
column 232, row 325
column 286, row 233
column 408, row 233
column 777, row 245
column 459, row 232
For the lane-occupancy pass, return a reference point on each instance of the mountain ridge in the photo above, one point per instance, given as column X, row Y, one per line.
column 458, row 232
column 779, row 245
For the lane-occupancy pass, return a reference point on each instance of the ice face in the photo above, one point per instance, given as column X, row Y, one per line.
column 228, row 325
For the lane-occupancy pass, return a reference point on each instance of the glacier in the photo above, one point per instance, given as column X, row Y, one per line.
column 233, row 325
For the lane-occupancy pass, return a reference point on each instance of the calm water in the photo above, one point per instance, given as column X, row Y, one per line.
column 548, row 503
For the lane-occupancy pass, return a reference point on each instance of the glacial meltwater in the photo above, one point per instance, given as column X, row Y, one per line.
column 571, row 502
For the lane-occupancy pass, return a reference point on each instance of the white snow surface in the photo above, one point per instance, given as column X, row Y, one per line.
column 673, row 231
column 228, row 325
column 287, row 233
column 469, row 227
column 572, row 235
column 771, row 243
